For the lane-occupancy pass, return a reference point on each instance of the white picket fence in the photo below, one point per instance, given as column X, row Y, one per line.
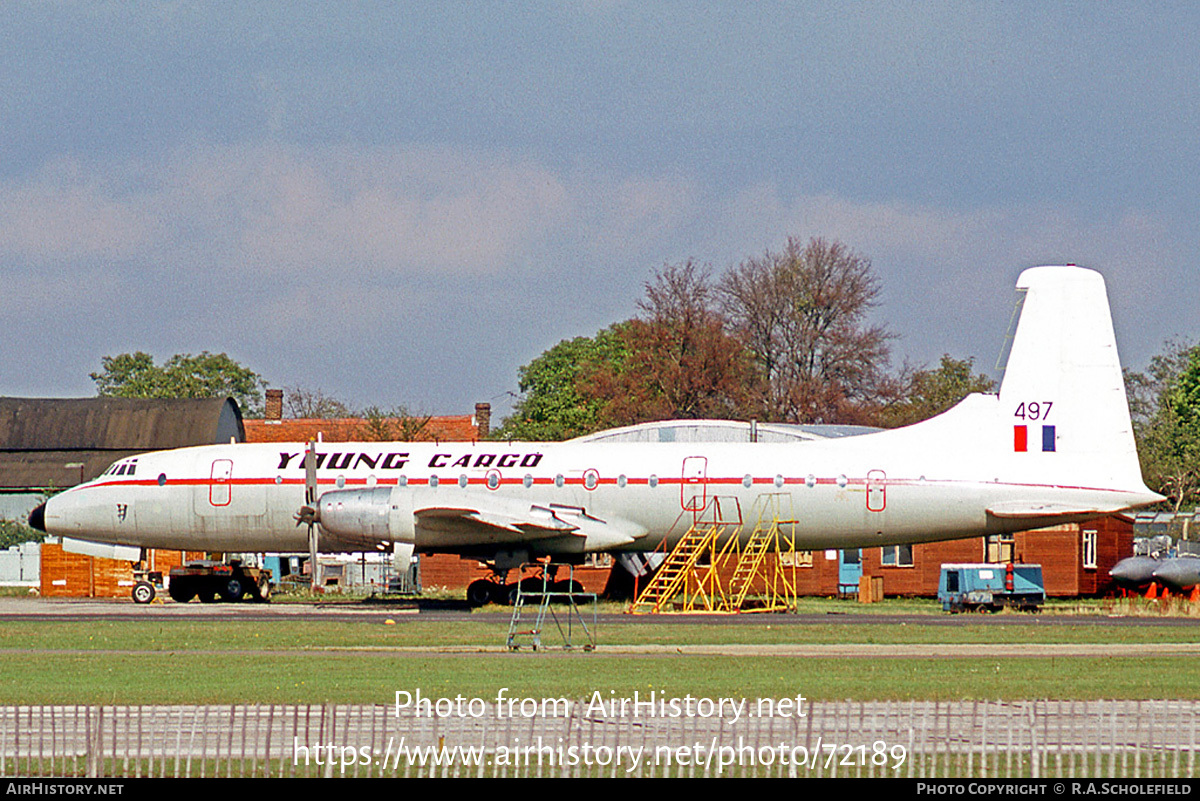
column 977, row 739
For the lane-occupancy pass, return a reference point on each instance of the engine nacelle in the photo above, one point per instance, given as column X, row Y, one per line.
column 366, row 514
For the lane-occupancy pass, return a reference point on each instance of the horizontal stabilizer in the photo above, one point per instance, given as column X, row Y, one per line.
column 1017, row 510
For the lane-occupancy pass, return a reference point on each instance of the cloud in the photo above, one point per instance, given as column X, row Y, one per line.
column 65, row 213
column 1004, row 236
column 273, row 208
column 398, row 211
column 272, row 211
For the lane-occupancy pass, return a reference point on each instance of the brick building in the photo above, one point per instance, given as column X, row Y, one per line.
column 1075, row 560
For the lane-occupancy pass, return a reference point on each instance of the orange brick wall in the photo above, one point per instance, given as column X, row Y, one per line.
column 74, row 575
column 922, row 578
column 449, row 571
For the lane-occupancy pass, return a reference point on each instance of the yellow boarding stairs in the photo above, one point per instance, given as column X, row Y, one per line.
column 687, row 581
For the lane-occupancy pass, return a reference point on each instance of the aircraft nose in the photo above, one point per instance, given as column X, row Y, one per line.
column 37, row 518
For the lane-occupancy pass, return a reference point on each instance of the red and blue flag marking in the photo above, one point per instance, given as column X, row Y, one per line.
column 1021, row 439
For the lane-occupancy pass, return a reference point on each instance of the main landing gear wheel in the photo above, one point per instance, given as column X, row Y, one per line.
column 480, row 592
column 232, row 590
column 180, row 591
column 143, row 592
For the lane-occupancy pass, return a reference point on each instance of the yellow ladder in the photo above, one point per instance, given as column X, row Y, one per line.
column 750, row 564
column 676, row 570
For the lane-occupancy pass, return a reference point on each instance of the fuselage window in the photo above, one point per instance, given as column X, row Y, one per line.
column 842, row 481
column 433, row 481
column 559, row 480
column 747, row 481
column 622, row 481
column 402, row 481
column 778, row 480
column 653, row 481
column 811, row 481
column 162, row 479
column 462, row 481
column 527, row 481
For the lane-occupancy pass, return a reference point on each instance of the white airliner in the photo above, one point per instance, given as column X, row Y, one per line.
column 1055, row 445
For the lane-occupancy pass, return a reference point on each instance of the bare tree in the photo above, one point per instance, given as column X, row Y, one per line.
column 313, row 404
column 803, row 314
column 393, row 425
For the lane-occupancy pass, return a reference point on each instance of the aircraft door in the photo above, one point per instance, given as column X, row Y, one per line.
column 220, row 486
column 693, row 490
column 876, row 491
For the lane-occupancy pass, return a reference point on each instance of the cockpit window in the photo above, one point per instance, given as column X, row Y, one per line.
column 121, row 468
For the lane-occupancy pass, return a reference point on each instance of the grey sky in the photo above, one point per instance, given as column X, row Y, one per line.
column 403, row 204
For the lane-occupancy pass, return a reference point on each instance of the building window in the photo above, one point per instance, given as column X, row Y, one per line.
column 1089, row 548
column 796, row 558
column 1000, row 548
column 897, row 556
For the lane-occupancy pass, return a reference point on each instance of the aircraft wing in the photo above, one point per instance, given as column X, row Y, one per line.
column 495, row 525
column 498, row 521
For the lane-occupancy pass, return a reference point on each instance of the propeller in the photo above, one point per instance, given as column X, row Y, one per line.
column 310, row 513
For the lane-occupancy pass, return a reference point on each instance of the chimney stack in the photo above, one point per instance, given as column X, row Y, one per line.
column 274, row 410
column 483, row 420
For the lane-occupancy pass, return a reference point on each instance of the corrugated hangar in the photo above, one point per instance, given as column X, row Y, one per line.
column 48, row 444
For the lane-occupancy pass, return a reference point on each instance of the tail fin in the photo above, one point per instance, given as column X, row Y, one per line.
column 1063, row 391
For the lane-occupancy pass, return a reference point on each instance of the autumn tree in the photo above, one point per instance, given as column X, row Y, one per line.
column 207, row 375
column 803, row 314
column 931, row 392
column 782, row 337
column 1165, row 406
column 679, row 358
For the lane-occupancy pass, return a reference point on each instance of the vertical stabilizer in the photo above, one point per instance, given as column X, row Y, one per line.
column 1063, row 392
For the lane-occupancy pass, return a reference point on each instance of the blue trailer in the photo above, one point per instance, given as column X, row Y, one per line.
column 991, row 587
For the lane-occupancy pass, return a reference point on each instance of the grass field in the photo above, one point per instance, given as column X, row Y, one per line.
column 346, row 678
column 285, row 661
